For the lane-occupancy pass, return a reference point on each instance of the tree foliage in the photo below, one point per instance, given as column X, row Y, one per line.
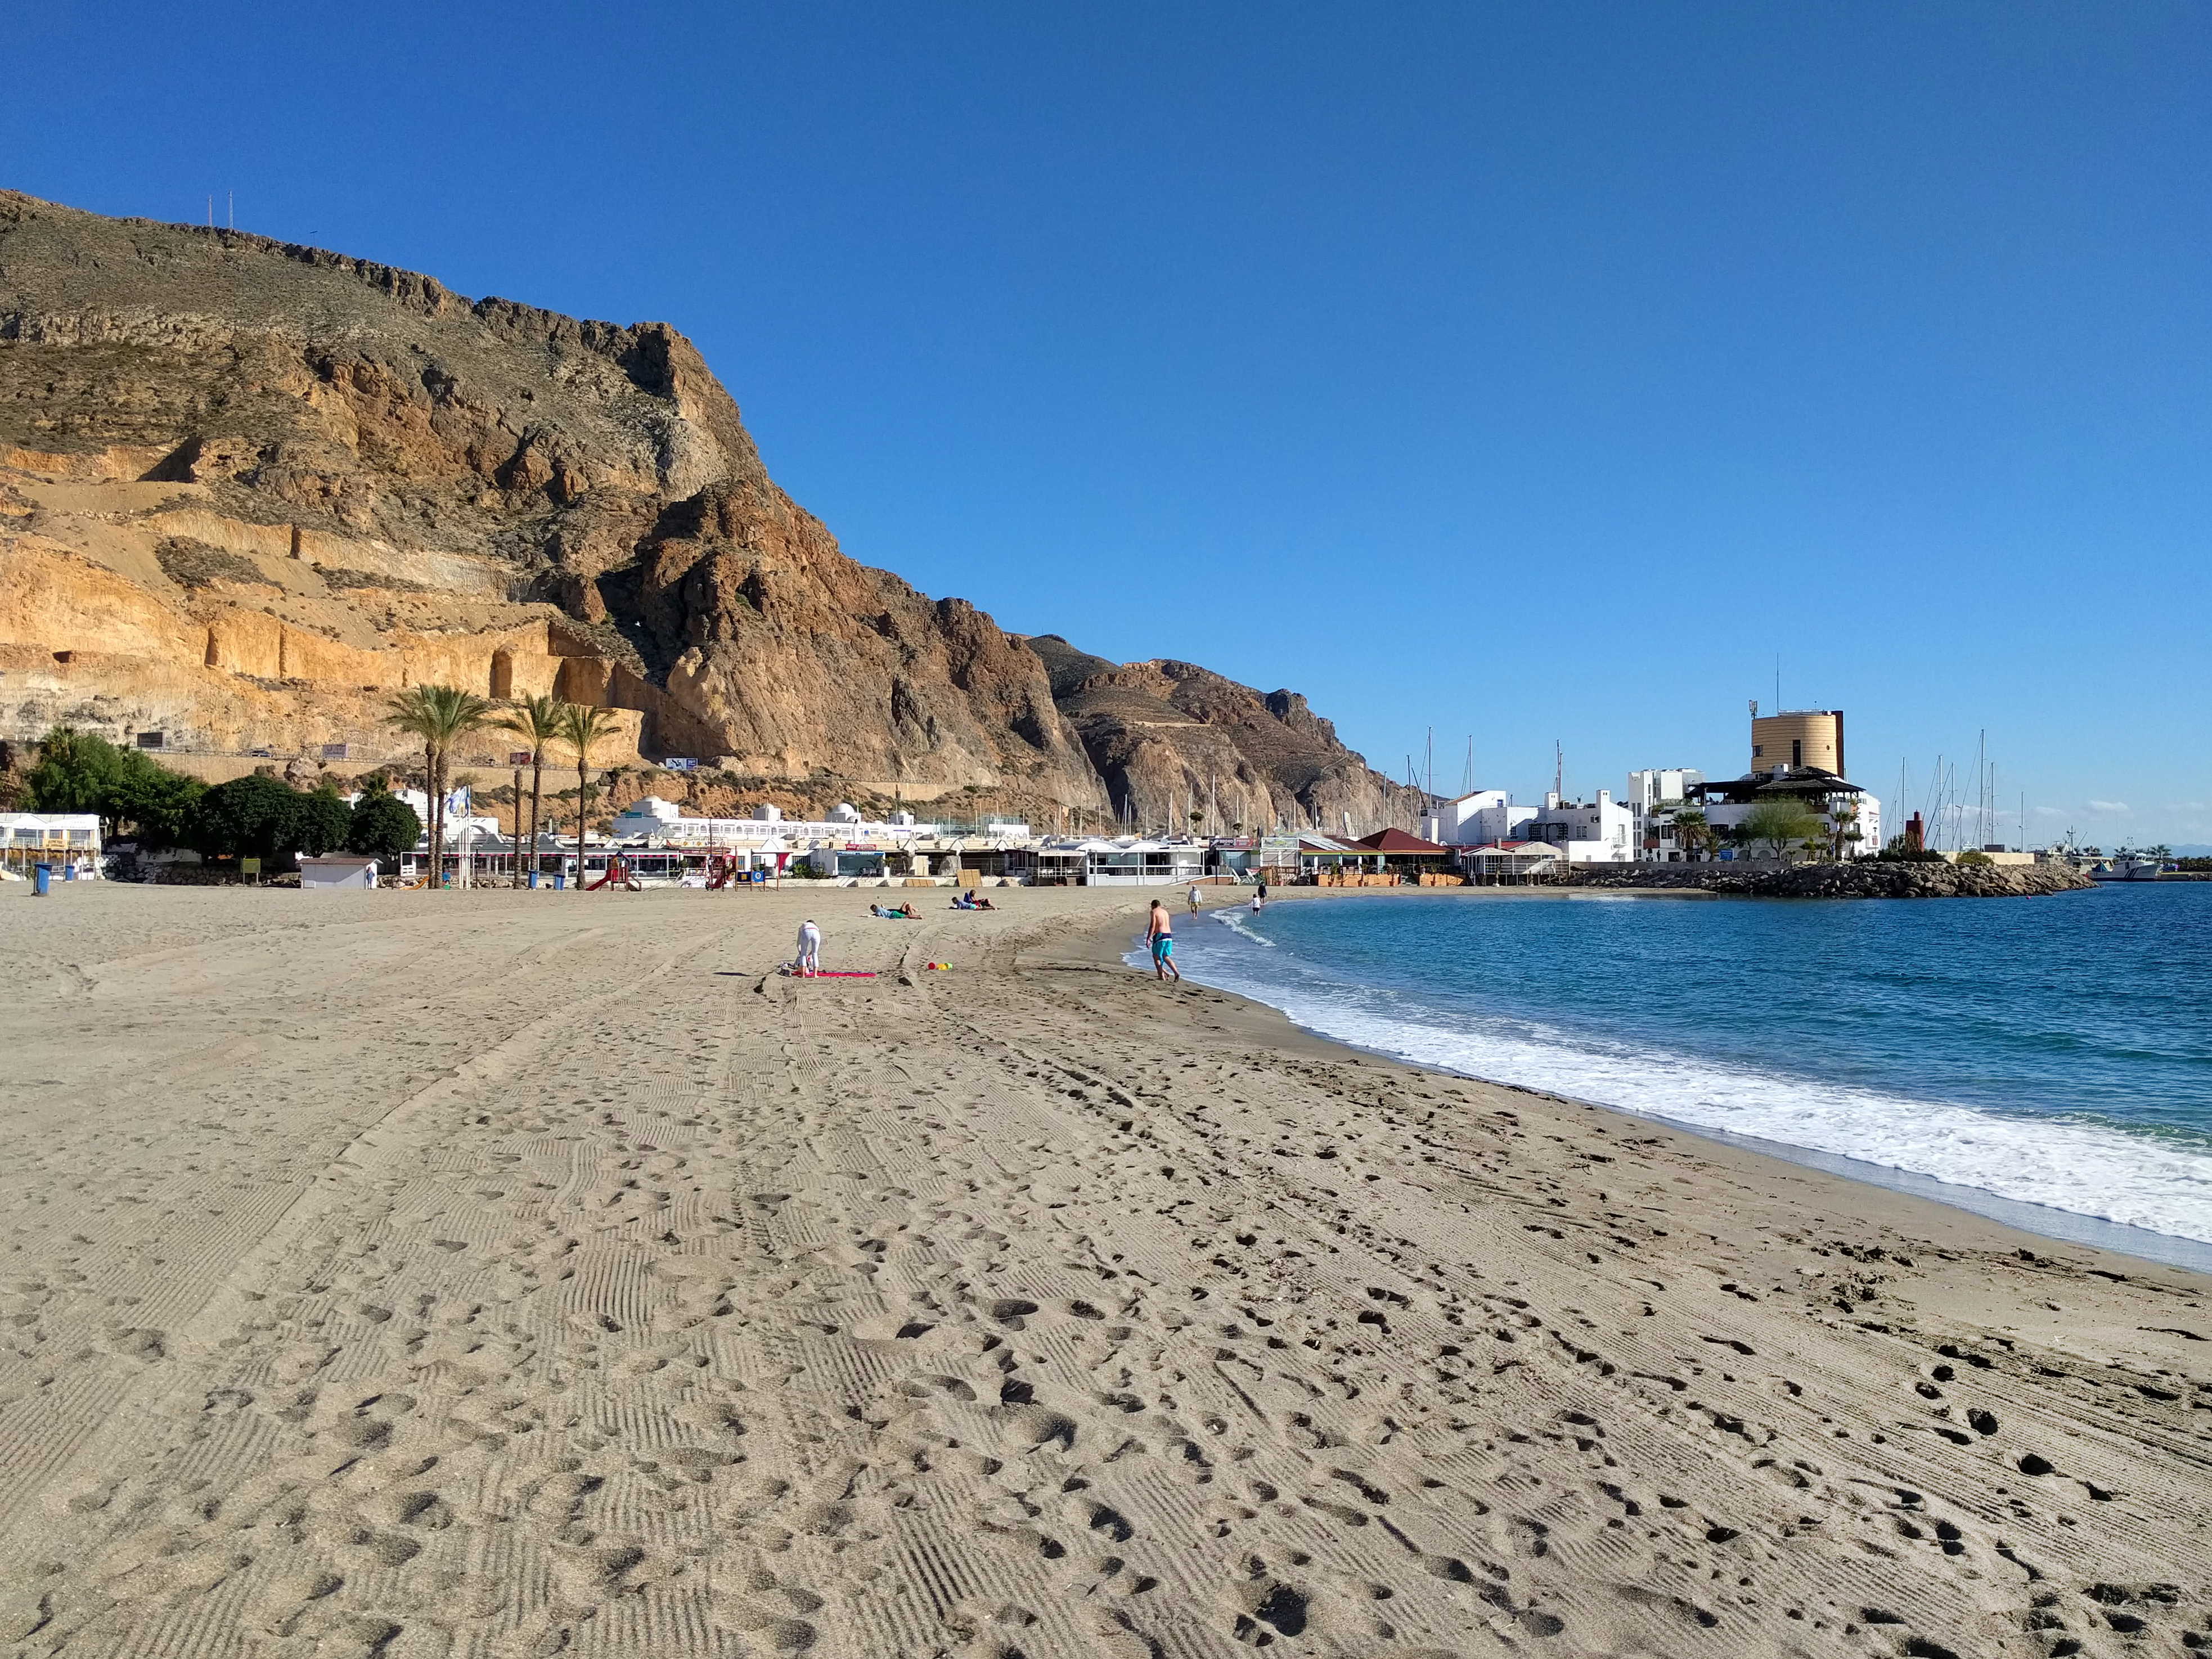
column 245, row 818
column 320, row 822
column 1778, row 824
column 537, row 721
column 382, row 826
column 80, row 772
column 583, row 728
column 438, row 716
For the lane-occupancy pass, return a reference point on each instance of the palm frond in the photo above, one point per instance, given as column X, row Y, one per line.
column 537, row 721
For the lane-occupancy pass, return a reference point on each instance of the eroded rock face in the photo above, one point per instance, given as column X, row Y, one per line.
column 247, row 488
column 1171, row 739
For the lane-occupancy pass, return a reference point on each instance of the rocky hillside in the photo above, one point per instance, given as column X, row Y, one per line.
column 1172, row 739
column 248, row 487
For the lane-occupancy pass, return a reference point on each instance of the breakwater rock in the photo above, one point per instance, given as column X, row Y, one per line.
column 1858, row 878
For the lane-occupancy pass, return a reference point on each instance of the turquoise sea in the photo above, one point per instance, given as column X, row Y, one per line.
column 2046, row 1060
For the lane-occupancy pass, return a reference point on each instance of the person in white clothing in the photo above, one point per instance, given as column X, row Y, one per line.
column 809, row 949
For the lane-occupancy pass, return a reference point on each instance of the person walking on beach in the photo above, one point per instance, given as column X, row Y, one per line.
column 809, row 949
column 1263, row 889
column 1194, row 898
column 1157, row 934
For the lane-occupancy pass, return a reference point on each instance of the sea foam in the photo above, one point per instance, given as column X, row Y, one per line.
column 2134, row 1178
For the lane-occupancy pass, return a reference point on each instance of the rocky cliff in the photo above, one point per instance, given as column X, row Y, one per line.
column 1177, row 743
column 247, row 488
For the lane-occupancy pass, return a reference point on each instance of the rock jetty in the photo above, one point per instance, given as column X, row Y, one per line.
column 1854, row 879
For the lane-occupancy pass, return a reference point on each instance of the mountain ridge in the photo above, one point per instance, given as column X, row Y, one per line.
column 388, row 483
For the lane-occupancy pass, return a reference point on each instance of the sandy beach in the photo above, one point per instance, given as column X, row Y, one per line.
column 500, row 1275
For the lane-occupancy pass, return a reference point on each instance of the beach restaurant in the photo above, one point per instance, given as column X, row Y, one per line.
column 1134, row 862
column 1423, row 862
column 1509, row 863
column 55, row 838
column 1329, row 861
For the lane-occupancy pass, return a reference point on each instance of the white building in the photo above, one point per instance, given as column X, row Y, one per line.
column 1510, row 863
column 663, row 824
column 59, row 838
column 1601, row 831
column 1477, row 819
column 1654, row 796
column 1134, row 862
column 1849, row 816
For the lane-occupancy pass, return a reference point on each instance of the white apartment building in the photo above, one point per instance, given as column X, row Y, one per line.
column 1477, row 819
column 1601, row 831
column 1654, row 796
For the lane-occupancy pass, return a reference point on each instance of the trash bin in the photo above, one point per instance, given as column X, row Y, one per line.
column 42, row 875
column 560, row 881
column 69, row 870
column 533, row 880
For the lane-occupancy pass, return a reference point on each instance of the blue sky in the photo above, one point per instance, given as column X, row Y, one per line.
column 1533, row 373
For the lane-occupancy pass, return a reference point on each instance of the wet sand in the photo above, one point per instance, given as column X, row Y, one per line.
column 503, row 1274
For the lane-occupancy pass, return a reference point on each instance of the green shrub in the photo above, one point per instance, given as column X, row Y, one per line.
column 247, row 818
column 383, row 827
column 320, row 822
column 78, row 772
column 191, row 564
column 1778, row 824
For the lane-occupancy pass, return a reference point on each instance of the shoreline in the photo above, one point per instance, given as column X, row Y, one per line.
column 509, row 1273
column 2042, row 1222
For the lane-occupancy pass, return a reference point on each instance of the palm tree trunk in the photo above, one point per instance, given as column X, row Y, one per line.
column 437, row 804
column 582, row 784
column 537, row 775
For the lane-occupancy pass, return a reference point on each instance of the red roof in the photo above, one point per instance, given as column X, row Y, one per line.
column 1397, row 840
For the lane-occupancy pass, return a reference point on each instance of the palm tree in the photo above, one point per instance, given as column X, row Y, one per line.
column 440, row 715
column 1844, row 816
column 537, row 721
column 583, row 727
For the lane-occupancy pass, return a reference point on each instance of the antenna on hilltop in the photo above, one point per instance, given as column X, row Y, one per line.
column 230, row 208
column 211, row 211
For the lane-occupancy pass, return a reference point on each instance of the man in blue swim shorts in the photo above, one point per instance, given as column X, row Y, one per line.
column 1156, row 934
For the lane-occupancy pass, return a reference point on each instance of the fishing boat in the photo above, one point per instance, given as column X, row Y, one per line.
column 2124, row 866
